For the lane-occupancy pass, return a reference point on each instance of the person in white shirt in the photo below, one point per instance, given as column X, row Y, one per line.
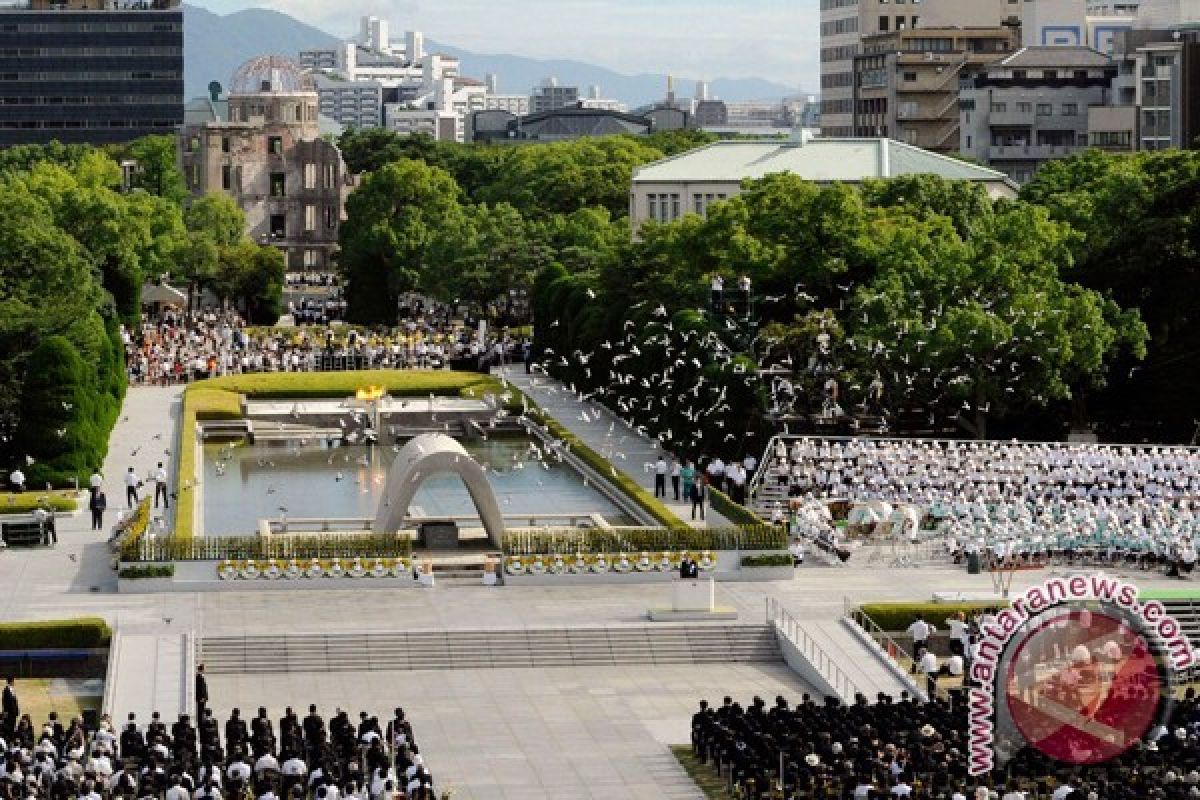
column 954, row 666
column 928, row 665
column 920, row 631
column 160, row 485
column 718, row 289
column 798, row 551
column 716, row 472
column 17, row 479
column 676, row 471
column 131, row 487
column 958, row 634
column 660, row 477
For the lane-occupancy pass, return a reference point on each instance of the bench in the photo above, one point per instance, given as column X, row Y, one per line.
column 24, row 533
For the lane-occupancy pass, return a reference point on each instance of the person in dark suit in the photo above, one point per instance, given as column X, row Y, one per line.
column 98, row 504
column 10, row 706
column 201, row 692
column 688, row 568
column 133, row 744
column 313, row 725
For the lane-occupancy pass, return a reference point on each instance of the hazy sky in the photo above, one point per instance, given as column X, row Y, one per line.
column 775, row 39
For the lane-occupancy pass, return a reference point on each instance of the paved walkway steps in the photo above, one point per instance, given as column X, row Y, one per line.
column 863, row 666
column 607, row 434
column 484, row 649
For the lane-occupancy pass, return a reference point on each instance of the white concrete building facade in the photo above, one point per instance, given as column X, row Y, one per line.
column 691, row 182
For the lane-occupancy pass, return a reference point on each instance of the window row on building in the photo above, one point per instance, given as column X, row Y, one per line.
column 95, row 100
column 833, row 27
column 93, row 76
column 81, row 124
column 91, row 27
column 83, row 52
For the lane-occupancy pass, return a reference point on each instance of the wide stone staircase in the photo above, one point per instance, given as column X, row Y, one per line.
column 488, row 649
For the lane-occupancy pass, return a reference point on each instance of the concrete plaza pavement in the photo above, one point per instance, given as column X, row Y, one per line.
column 531, row 734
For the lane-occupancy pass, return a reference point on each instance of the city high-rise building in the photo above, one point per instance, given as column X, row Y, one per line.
column 89, row 71
column 413, row 91
column 844, row 24
column 550, row 96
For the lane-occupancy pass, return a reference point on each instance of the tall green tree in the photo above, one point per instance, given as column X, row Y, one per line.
column 393, row 220
column 157, row 170
column 218, row 217
column 1139, row 216
column 492, row 252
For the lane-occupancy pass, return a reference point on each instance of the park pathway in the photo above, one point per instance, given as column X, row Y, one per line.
column 607, row 434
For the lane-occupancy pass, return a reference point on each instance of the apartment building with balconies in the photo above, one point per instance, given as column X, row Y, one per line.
column 907, row 82
column 1033, row 106
column 845, row 23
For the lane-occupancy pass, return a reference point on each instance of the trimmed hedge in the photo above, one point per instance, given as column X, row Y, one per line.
column 734, row 512
column 614, row 540
column 148, row 571
column 399, row 383
column 24, row 502
column 893, row 617
column 84, row 632
column 768, row 560
column 215, row 404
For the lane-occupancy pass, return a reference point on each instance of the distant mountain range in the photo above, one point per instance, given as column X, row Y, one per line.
column 215, row 45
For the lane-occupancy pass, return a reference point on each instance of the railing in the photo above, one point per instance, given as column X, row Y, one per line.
column 786, row 624
column 855, row 614
column 890, row 646
column 944, row 135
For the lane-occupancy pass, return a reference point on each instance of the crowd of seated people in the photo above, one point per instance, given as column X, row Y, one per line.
column 905, row 748
column 946, row 473
column 317, row 311
column 178, row 348
column 317, row 280
column 300, row 758
column 1016, row 503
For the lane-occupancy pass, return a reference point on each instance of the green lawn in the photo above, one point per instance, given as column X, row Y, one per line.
column 407, row 383
column 68, row 697
column 24, row 502
column 1182, row 593
column 704, row 776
